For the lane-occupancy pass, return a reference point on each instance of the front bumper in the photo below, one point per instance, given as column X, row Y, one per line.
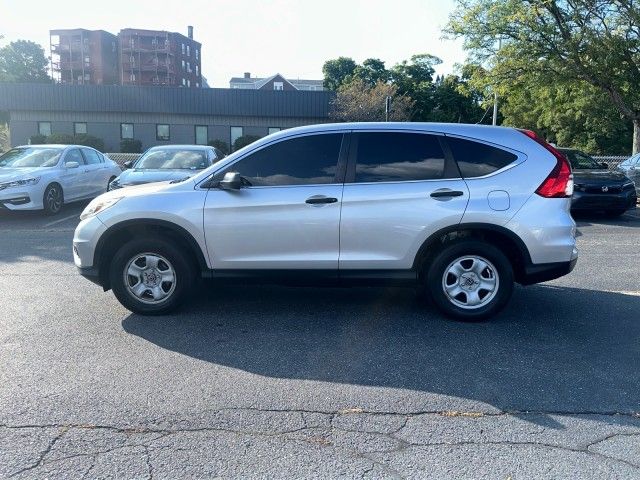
column 91, row 274
column 602, row 201
column 14, row 199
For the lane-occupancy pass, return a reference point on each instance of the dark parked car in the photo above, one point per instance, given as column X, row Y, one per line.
column 168, row 162
column 596, row 188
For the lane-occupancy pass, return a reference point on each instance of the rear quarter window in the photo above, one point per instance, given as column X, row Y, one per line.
column 477, row 159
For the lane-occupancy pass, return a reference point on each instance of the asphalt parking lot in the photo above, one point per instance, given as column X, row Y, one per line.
column 271, row 382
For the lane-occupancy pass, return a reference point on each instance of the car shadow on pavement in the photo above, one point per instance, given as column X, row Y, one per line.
column 554, row 349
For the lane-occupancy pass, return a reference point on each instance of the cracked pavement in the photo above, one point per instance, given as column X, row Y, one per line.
column 274, row 382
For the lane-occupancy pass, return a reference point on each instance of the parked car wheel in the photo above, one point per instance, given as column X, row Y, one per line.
column 470, row 280
column 151, row 276
column 53, row 199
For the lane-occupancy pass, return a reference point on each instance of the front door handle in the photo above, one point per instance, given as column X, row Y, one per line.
column 318, row 200
column 446, row 193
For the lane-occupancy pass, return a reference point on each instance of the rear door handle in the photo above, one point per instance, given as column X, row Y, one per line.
column 446, row 193
column 317, row 200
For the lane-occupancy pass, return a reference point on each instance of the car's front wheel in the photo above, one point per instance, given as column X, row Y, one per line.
column 470, row 280
column 53, row 199
column 151, row 276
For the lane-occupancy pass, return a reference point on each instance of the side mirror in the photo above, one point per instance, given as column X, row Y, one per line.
column 72, row 164
column 128, row 164
column 604, row 165
column 231, row 181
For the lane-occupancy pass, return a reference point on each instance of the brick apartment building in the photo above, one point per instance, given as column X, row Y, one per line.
column 82, row 56
column 134, row 57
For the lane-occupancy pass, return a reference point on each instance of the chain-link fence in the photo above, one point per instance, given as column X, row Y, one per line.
column 611, row 161
column 120, row 158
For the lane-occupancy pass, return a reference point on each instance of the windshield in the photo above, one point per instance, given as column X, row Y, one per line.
column 172, row 159
column 30, row 157
column 581, row 161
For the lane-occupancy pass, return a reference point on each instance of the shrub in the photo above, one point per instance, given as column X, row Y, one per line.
column 90, row 141
column 244, row 141
column 61, row 138
column 37, row 139
column 220, row 145
column 130, row 145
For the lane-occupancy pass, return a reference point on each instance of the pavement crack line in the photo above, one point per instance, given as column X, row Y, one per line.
column 42, row 455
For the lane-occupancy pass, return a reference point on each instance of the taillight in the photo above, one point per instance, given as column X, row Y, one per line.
column 559, row 183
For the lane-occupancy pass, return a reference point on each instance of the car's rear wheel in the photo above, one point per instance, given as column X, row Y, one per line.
column 470, row 280
column 53, row 199
column 151, row 276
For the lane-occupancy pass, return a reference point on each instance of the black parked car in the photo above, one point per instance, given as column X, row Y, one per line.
column 168, row 162
column 596, row 188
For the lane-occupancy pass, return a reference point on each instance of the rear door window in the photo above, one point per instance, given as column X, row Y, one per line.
column 477, row 159
column 398, row 156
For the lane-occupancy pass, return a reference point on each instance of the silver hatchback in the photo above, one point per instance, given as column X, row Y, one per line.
column 463, row 211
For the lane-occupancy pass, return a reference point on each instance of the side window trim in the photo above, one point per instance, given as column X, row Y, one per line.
column 341, row 165
column 520, row 156
column 450, row 167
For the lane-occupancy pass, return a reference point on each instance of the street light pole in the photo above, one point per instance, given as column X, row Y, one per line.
column 495, row 94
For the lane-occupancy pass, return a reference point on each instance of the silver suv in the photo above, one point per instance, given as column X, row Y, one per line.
column 462, row 211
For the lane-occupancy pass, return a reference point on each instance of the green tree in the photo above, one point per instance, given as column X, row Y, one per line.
column 371, row 72
column 23, row 61
column 591, row 41
column 220, row 145
column 336, row 71
column 414, row 78
column 130, row 145
column 358, row 102
column 455, row 101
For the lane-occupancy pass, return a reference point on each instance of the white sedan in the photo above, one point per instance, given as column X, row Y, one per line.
column 45, row 177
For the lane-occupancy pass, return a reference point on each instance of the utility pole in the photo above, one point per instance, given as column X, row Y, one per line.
column 495, row 94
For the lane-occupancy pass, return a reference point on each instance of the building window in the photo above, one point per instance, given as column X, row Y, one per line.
column 126, row 130
column 197, row 54
column 184, row 66
column 189, row 67
column 202, row 134
column 183, row 48
column 132, row 77
column 197, row 85
column 197, row 71
column 162, row 132
column 236, row 133
column 188, row 83
column 44, row 128
column 274, row 130
column 278, row 85
column 80, row 128
column 188, row 51
column 184, row 82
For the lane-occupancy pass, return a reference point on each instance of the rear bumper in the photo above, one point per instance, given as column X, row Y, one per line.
column 542, row 272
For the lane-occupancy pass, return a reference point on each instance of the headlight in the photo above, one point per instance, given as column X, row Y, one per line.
column 20, row 183
column 97, row 205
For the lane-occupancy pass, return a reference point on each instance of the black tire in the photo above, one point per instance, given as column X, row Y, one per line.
column 615, row 213
column 53, row 199
column 496, row 300
column 181, row 264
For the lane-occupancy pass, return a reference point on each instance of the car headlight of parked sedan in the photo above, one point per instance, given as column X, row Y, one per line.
column 20, row 183
column 97, row 205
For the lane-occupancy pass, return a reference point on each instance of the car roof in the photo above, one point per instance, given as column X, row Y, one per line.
column 179, row 147
column 53, row 145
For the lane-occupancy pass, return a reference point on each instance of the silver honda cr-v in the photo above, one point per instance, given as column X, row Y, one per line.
column 463, row 211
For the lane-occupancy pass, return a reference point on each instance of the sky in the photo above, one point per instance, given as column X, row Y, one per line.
column 265, row 37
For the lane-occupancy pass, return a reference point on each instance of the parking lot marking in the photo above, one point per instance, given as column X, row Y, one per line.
column 61, row 220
